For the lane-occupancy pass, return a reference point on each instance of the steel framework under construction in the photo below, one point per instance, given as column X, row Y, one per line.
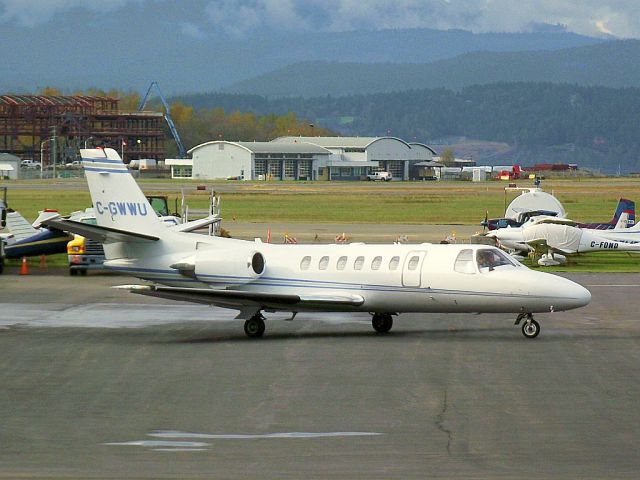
column 52, row 129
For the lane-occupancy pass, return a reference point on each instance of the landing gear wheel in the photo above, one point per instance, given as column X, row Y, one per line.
column 254, row 327
column 531, row 328
column 382, row 322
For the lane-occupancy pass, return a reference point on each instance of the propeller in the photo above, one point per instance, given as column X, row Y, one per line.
column 485, row 222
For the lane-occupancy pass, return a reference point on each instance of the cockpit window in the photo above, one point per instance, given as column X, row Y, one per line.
column 464, row 262
column 488, row 259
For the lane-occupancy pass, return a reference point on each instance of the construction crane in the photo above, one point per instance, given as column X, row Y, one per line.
column 182, row 153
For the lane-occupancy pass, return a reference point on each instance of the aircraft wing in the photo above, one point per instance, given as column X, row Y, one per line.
column 240, row 298
column 540, row 247
column 97, row 233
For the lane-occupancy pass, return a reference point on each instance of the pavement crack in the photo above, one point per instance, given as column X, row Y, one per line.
column 440, row 422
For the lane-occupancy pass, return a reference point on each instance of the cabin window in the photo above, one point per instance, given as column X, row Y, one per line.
column 413, row 262
column 305, row 262
column 342, row 262
column 464, row 262
column 323, row 263
column 358, row 264
column 393, row 263
column 375, row 264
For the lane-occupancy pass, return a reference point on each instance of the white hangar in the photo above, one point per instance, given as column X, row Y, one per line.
column 354, row 157
column 302, row 158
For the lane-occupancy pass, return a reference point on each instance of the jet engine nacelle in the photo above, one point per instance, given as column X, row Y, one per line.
column 229, row 267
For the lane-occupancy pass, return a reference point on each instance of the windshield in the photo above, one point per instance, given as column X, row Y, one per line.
column 490, row 258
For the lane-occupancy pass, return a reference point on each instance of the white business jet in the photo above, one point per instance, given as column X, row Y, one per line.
column 255, row 277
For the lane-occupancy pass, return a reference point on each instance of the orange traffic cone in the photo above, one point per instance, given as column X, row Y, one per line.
column 43, row 261
column 24, row 268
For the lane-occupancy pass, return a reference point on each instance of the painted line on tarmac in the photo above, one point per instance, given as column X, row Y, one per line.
column 615, row 286
column 236, row 436
column 190, row 446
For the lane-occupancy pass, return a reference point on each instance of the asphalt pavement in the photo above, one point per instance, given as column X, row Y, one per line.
column 100, row 383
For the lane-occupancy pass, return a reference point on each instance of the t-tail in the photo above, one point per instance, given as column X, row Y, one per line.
column 118, row 202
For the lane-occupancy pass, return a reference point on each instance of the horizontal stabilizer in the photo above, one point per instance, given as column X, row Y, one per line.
column 97, row 233
column 195, row 224
column 18, row 226
column 241, row 298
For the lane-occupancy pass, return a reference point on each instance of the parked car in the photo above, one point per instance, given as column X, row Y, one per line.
column 29, row 163
column 382, row 176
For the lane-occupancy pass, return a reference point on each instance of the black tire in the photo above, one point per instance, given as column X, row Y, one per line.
column 382, row 322
column 73, row 272
column 531, row 329
column 254, row 327
column 83, row 272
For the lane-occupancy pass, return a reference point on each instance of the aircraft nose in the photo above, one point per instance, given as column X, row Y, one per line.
column 575, row 295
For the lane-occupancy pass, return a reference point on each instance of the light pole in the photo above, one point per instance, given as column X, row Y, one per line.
column 41, row 154
column 87, row 141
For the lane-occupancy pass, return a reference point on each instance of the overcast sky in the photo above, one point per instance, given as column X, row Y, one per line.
column 238, row 18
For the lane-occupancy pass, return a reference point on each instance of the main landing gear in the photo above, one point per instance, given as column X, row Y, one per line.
column 530, row 328
column 254, row 327
column 382, row 322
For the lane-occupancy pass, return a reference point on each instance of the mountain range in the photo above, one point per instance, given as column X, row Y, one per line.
column 611, row 64
column 79, row 51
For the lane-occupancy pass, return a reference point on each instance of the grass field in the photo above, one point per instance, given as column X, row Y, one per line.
column 361, row 202
column 349, row 202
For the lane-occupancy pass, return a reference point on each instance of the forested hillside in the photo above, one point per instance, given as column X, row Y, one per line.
column 594, row 126
column 611, row 64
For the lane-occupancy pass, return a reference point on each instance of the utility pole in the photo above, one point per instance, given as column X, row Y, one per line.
column 54, row 149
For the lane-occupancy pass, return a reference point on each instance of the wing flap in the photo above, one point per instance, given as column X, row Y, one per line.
column 241, row 298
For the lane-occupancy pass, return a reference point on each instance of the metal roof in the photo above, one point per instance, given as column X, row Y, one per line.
column 423, row 145
column 271, row 147
column 338, row 142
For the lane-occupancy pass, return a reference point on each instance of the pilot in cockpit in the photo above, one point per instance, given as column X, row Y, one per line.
column 488, row 259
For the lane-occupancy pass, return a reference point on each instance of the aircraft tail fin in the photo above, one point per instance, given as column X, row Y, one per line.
column 118, row 202
column 625, row 214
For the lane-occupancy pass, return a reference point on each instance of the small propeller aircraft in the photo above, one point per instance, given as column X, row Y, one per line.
column 254, row 277
column 624, row 216
column 551, row 238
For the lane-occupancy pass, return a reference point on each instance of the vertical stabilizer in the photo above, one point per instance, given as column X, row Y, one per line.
column 117, row 200
column 627, row 207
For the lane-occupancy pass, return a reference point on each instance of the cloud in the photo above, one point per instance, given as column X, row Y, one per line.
column 192, row 30
column 29, row 13
column 240, row 17
column 602, row 28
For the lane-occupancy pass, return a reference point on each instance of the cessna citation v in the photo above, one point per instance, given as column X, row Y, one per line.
column 255, row 277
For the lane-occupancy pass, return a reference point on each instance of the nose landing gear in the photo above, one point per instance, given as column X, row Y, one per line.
column 530, row 328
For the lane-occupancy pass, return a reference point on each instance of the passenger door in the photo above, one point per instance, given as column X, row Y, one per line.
column 412, row 268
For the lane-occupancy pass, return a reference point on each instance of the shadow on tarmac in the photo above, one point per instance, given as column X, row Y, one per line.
column 453, row 334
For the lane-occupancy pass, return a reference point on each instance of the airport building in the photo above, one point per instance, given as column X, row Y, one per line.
column 9, row 165
column 251, row 161
column 303, row 158
column 353, row 157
